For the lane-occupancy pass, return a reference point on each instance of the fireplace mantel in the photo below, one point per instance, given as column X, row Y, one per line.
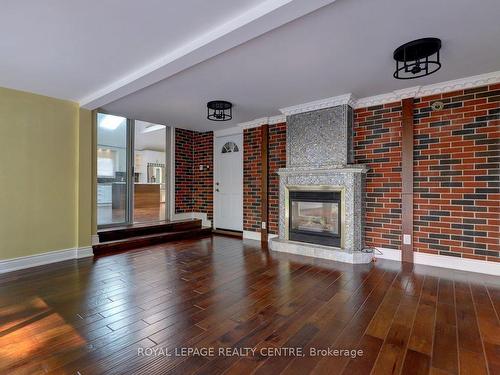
column 319, row 156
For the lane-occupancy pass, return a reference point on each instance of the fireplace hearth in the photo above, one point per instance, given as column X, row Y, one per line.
column 321, row 189
column 315, row 217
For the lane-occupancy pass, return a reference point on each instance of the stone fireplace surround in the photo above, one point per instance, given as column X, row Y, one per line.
column 319, row 157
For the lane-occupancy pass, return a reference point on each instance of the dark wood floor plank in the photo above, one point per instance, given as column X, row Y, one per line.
column 93, row 316
column 370, row 347
column 392, row 353
column 416, row 363
column 489, row 325
column 445, row 350
column 422, row 334
column 470, row 346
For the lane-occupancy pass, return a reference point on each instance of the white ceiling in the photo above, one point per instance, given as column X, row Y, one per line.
column 70, row 49
column 103, row 51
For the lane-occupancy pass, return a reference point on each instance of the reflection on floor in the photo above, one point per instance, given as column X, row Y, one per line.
column 107, row 215
column 96, row 316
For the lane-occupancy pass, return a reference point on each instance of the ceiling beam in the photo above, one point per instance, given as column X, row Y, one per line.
column 266, row 16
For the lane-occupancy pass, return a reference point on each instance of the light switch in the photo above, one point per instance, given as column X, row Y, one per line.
column 407, row 239
column 201, row 167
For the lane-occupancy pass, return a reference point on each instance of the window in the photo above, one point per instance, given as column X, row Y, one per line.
column 106, row 163
column 230, row 147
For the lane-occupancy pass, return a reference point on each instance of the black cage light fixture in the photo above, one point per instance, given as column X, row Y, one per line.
column 417, row 58
column 219, row 110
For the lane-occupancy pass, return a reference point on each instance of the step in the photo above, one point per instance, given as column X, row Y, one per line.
column 144, row 229
column 115, row 246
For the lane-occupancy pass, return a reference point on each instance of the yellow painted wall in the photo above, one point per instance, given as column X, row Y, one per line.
column 45, row 174
column 85, row 178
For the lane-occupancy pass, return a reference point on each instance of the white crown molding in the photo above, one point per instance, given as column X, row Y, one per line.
column 264, row 17
column 391, row 97
column 263, row 121
column 318, row 104
column 435, row 88
column 228, row 131
column 254, row 123
column 276, row 119
column 460, row 84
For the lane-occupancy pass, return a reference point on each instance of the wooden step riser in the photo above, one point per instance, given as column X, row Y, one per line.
column 120, row 234
column 134, row 243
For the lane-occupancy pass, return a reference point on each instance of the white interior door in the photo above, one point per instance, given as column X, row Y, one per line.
column 228, row 182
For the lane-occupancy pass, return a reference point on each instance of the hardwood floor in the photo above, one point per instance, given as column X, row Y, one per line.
column 103, row 316
column 106, row 214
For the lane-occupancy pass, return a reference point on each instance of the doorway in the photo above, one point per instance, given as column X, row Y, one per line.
column 133, row 162
column 228, row 181
column 150, row 172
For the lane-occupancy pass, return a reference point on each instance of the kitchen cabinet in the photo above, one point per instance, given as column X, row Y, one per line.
column 104, row 193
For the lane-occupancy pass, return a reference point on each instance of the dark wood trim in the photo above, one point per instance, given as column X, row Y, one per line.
column 264, row 158
column 407, row 180
column 113, row 247
column 144, row 229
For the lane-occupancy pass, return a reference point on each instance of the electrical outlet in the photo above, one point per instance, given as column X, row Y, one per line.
column 407, row 239
column 201, row 167
column 263, row 225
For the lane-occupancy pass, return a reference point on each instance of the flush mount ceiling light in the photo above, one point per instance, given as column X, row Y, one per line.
column 219, row 110
column 419, row 58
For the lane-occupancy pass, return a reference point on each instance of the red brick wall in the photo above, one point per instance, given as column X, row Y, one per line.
column 456, row 173
column 277, row 159
column 251, row 179
column 377, row 143
column 193, row 188
column 183, row 170
column 203, row 144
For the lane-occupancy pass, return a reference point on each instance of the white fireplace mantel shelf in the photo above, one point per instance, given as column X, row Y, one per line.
column 349, row 168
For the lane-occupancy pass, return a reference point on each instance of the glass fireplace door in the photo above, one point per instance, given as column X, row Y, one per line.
column 320, row 217
column 315, row 217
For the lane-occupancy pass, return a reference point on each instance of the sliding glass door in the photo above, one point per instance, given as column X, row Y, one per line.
column 133, row 159
column 150, row 172
column 113, row 170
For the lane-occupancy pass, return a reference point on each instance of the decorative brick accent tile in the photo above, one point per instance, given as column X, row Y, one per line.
column 193, row 188
column 203, row 144
column 183, row 170
column 456, row 174
column 377, row 143
column 277, row 159
column 252, row 141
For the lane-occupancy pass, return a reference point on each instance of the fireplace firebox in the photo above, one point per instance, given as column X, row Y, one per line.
column 315, row 217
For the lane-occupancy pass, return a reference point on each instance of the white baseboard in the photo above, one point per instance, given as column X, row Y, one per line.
column 193, row 215
column 443, row 261
column 391, row 254
column 20, row 263
column 250, row 235
column 84, row 252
